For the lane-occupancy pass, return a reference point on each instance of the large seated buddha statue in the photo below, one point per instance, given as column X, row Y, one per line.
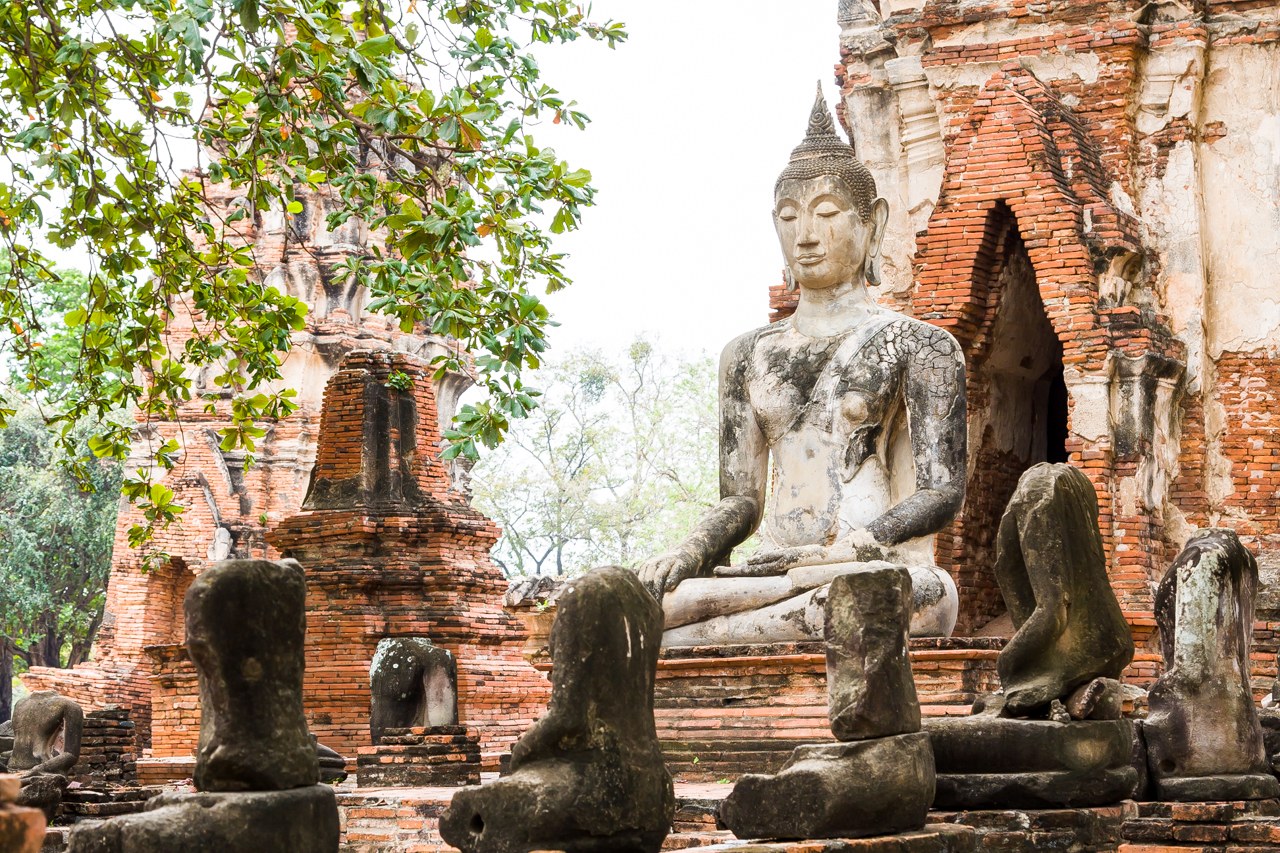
column 862, row 410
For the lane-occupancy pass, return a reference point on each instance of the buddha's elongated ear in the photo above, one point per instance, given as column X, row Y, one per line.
column 879, row 223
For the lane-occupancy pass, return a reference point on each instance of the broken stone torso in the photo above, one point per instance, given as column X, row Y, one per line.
column 835, row 414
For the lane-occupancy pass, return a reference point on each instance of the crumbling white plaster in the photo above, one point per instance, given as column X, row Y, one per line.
column 994, row 30
column 1049, row 66
column 1241, row 197
column 1090, row 395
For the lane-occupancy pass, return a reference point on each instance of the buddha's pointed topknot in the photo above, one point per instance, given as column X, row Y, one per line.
column 820, row 121
column 823, row 152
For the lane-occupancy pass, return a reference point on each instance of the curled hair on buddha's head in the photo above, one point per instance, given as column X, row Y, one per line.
column 823, row 152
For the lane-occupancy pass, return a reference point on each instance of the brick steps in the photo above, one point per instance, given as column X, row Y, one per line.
column 421, row 757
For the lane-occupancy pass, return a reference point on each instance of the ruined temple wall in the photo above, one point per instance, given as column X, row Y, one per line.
column 1164, row 117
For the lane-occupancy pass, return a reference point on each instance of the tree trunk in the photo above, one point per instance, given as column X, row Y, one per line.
column 6, row 679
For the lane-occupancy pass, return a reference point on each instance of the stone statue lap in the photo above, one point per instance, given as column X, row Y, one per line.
column 862, row 411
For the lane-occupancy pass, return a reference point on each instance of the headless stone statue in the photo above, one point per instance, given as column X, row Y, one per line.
column 1071, row 644
column 256, row 764
column 40, row 720
column 1204, row 741
column 589, row 776
column 412, row 683
column 1053, row 575
column 862, row 411
column 879, row 779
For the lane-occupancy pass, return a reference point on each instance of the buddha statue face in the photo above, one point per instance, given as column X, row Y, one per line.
column 825, row 239
column 826, row 211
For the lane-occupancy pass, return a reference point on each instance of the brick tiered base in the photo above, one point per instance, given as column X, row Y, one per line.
column 1238, row 827
column 439, row 756
column 108, row 752
column 1096, row 830
column 727, row 710
column 79, row 803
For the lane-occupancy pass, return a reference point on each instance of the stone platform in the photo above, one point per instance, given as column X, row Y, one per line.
column 722, row 711
column 421, row 757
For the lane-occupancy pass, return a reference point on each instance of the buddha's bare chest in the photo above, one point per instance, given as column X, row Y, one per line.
column 831, row 385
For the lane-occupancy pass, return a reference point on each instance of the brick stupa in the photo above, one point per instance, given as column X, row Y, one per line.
column 390, row 550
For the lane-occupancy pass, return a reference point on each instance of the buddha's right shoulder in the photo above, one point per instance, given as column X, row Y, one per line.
column 745, row 344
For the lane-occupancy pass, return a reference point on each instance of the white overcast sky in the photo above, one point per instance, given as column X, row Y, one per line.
column 693, row 117
column 692, row 120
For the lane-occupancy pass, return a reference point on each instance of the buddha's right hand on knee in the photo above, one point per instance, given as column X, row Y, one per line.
column 664, row 573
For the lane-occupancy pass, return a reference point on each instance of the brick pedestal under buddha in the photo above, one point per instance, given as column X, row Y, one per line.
column 722, row 711
column 421, row 757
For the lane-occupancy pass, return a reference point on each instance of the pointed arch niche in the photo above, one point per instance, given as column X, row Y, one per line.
column 1010, row 264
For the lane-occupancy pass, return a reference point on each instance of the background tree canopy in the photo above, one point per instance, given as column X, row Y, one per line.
column 56, row 553
column 614, row 467
column 57, row 529
column 416, row 113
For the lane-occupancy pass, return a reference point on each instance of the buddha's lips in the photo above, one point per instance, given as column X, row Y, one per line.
column 810, row 260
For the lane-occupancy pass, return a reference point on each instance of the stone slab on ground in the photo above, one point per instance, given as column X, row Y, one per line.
column 296, row 820
column 1242, row 826
column 105, row 801
column 936, row 838
column 990, row 762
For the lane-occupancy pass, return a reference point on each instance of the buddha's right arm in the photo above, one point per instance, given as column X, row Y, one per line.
column 744, row 471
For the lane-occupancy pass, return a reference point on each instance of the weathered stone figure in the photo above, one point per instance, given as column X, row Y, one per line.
column 411, row 683
column 246, row 621
column 1071, row 644
column 589, row 775
column 863, row 412
column 880, row 778
column 1053, row 576
column 40, row 719
column 1204, row 741
column 256, row 765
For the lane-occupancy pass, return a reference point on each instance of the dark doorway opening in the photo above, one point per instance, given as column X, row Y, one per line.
column 1056, row 418
column 1018, row 412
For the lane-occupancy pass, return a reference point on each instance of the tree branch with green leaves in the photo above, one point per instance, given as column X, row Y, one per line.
column 416, row 117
